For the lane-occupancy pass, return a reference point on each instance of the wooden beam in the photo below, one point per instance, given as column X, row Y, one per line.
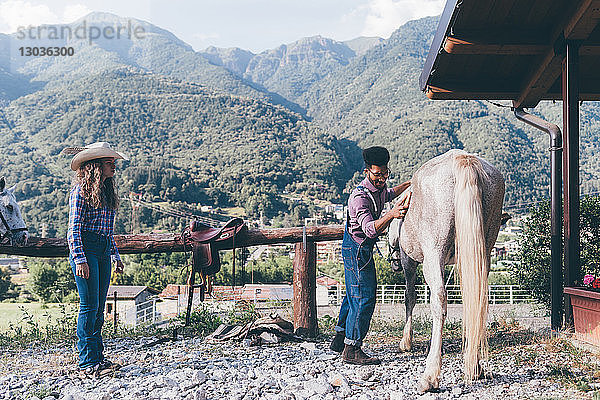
column 505, row 34
column 576, row 26
column 542, row 79
column 461, row 46
column 584, row 21
column 458, row 90
column 455, row 45
column 170, row 242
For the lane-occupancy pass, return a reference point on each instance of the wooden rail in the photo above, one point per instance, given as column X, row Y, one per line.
column 305, row 288
column 170, row 242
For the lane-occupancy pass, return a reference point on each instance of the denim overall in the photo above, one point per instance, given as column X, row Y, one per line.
column 361, row 287
column 92, row 297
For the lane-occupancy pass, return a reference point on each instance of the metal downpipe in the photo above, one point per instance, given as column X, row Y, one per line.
column 555, row 209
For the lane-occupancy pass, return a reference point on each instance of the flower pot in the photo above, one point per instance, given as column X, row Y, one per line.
column 586, row 314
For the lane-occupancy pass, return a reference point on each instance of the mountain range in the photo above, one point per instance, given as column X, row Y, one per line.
column 228, row 127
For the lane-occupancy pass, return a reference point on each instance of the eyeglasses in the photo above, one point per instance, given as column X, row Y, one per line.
column 383, row 175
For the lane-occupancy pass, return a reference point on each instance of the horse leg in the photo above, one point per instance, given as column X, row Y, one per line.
column 432, row 271
column 410, row 299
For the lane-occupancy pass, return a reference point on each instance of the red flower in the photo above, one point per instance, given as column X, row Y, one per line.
column 596, row 284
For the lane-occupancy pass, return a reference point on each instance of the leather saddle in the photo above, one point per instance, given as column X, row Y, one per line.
column 206, row 240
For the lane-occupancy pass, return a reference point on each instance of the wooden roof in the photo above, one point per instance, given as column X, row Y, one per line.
column 512, row 50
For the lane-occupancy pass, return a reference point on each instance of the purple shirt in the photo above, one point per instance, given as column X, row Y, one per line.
column 363, row 212
column 84, row 218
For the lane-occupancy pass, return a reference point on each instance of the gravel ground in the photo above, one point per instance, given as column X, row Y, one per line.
column 195, row 369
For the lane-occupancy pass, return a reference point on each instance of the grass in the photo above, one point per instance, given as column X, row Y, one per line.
column 44, row 326
column 14, row 314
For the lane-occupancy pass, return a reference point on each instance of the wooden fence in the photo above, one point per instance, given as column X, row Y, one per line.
column 305, row 260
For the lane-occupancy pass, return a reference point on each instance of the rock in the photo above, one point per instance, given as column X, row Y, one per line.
column 327, row 357
column 269, row 338
column 318, row 386
column 456, row 391
column 365, row 374
column 199, row 394
column 345, row 391
column 308, row 346
column 338, row 380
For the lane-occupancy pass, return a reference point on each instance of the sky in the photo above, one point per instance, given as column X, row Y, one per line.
column 254, row 25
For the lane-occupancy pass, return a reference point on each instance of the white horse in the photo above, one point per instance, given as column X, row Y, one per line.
column 12, row 227
column 454, row 217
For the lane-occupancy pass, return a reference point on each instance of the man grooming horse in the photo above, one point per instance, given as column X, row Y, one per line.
column 364, row 224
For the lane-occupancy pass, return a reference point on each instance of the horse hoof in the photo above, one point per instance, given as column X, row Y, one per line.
column 405, row 347
column 425, row 386
column 480, row 373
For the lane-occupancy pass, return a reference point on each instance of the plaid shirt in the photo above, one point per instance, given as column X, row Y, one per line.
column 364, row 207
column 83, row 218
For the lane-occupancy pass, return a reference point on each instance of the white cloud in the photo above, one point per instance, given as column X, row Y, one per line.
column 385, row 16
column 16, row 13
column 205, row 36
column 75, row 11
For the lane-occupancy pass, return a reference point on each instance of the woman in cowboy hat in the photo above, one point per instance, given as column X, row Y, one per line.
column 92, row 206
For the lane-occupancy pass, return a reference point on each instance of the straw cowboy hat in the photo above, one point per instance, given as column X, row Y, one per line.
column 92, row 152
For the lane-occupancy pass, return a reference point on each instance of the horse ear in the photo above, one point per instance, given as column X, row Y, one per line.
column 2, row 184
column 11, row 189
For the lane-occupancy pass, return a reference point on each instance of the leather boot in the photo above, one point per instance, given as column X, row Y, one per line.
column 337, row 344
column 355, row 355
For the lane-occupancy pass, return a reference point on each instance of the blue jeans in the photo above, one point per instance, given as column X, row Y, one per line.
column 361, row 290
column 92, row 297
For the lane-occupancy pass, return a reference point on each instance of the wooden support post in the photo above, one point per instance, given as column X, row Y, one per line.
column 570, row 87
column 305, row 289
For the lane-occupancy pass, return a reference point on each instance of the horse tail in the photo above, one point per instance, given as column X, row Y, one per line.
column 471, row 260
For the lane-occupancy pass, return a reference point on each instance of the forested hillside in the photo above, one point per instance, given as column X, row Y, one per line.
column 375, row 99
column 156, row 50
column 186, row 143
column 226, row 127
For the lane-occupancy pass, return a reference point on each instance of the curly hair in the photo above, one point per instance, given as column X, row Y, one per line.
column 95, row 192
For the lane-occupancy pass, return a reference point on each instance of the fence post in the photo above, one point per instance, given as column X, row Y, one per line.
column 178, row 297
column 115, row 312
column 511, row 294
column 305, row 289
column 153, row 311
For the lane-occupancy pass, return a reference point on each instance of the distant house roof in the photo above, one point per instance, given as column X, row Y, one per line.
column 128, row 292
column 273, row 291
column 327, row 281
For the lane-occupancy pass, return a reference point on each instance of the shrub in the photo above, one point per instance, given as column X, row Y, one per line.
column 535, row 271
column 51, row 280
column 5, row 284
